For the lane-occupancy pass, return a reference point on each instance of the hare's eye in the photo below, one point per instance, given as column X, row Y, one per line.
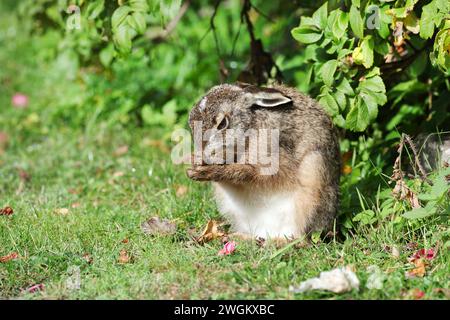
column 223, row 124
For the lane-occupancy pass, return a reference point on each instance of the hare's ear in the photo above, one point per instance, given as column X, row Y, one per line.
column 270, row 98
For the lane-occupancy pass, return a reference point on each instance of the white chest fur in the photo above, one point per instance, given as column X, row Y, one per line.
column 261, row 214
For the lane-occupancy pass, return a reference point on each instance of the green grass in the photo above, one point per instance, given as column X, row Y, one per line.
column 69, row 166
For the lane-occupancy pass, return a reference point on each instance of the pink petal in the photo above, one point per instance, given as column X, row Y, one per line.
column 36, row 287
column 430, row 254
column 19, row 100
column 228, row 248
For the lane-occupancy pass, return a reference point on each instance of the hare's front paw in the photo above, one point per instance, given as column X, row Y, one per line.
column 200, row 173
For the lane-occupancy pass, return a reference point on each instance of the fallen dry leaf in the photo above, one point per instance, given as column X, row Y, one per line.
column 75, row 205
column 395, row 252
column 158, row 144
column 24, row 176
column 4, row 138
column 9, row 257
column 347, row 156
column 346, row 169
column 120, row 151
column 418, row 271
column 118, row 174
column 74, row 190
column 444, row 291
column 210, row 232
column 181, row 190
column 156, row 226
column 62, row 211
column 6, row 211
column 123, row 257
column 88, row 258
column 416, row 293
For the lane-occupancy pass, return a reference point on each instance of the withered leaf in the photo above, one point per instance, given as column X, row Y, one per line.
column 118, row 174
column 124, row 257
column 3, row 141
column 346, row 169
column 62, row 211
column 419, row 270
column 24, row 176
column 403, row 192
column 87, row 257
column 158, row 144
column 210, row 232
column 157, row 226
column 6, row 211
column 9, row 257
column 120, row 151
column 181, row 190
column 444, row 291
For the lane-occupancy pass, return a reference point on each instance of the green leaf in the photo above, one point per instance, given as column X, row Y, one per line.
column 95, row 8
column 137, row 22
column 375, row 71
column 306, row 35
column 440, row 186
column 370, row 104
column 107, row 55
column 419, row 65
column 403, row 11
column 426, row 197
column 139, row 6
column 358, row 118
column 340, row 99
column 364, row 53
column 327, row 71
column 122, row 38
column 330, row 105
column 427, row 20
column 320, row 16
column 375, row 84
column 340, row 24
column 418, row 213
column 345, row 87
column 356, row 22
column 365, row 217
column 156, row 118
column 119, row 16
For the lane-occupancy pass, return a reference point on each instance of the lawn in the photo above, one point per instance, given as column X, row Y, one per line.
column 109, row 191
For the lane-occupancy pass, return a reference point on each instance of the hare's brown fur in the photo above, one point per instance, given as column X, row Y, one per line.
column 309, row 158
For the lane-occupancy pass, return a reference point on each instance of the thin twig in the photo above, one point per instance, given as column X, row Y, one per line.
column 173, row 23
column 416, row 158
column 212, row 26
column 262, row 13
